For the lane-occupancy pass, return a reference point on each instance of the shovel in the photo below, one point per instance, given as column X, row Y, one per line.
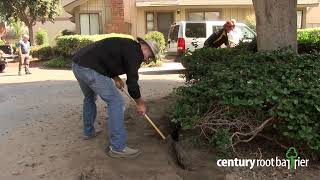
column 180, row 155
column 146, row 116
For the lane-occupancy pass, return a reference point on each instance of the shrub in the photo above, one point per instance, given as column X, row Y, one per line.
column 14, row 47
column 309, row 40
column 19, row 28
column 42, row 37
column 68, row 45
column 158, row 63
column 158, row 38
column 59, row 62
column 42, row 52
column 251, row 22
column 199, row 63
column 248, row 46
column 278, row 85
column 2, row 42
column 67, row 32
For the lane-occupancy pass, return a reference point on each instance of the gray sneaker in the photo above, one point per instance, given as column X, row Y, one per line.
column 95, row 134
column 125, row 153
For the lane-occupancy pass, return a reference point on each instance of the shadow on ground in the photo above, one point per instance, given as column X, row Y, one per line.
column 162, row 72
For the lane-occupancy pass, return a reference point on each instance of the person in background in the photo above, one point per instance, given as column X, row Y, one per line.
column 24, row 57
column 220, row 37
column 235, row 36
column 3, row 29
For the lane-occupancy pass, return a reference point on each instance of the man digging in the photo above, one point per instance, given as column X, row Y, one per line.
column 97, row 68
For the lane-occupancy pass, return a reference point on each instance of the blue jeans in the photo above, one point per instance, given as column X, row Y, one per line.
column 92, row 84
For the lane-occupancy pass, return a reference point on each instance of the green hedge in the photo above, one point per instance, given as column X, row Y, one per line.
column 277, row 84
column 201, row 60
column 68, row 45
column 309, row 40
column 58, row 62
column 157, row 63
column 157, row 37
column 42, row 52
column 42, row 37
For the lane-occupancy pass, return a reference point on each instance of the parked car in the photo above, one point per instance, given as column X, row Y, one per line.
column 189, row 35
column 6, row 57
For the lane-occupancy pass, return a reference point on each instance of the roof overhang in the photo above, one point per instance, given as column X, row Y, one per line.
column 308, row 3
column 158, row 3
column 69, row 8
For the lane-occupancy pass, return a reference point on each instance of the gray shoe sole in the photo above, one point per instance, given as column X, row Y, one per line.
column 118, row 155
column 97, row 133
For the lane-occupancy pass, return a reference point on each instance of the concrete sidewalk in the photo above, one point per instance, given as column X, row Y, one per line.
column 166, row 66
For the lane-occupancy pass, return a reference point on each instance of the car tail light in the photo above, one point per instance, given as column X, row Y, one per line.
column 181, row 45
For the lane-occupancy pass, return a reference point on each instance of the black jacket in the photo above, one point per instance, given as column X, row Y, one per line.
column 217, row 39
column 112, row 57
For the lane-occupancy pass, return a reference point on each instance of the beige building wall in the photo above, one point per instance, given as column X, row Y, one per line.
column 139, row 25
column 130, row 15
column 61, row 23
column 238, row 14
column 139, row 22
column 313, row 16
column 136, row 16
column 54, row 29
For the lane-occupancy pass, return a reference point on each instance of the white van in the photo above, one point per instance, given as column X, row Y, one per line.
column 184, row 35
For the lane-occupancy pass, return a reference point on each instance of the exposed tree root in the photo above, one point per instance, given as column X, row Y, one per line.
column 244, row 128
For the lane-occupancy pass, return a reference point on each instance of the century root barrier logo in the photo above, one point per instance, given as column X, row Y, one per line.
column 293, row 161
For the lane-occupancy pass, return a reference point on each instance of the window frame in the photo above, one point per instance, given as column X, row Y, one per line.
column 198, row 25
column 89, row 13
column 301, row 23
column 204, row 14
column 153, row 21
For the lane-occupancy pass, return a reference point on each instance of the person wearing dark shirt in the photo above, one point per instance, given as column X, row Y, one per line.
column 97, row 68
column 219, row 37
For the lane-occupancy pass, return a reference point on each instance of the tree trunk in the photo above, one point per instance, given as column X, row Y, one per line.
column 30, row 29
column 276, row 24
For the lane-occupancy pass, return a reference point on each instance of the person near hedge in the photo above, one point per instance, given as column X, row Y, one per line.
column 97, row 68
column 24, row 54
column 219, row 37
column 235, row 36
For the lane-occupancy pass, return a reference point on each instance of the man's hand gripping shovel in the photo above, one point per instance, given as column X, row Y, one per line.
column 146, row 116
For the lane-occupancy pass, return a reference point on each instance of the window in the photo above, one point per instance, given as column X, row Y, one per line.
column 196, row 30
column 203, row 16
column 216, row 28
column 196, row 16
column 246, row 33
column 150, row 22
column 89, row 24
column 211, row 16
column 299, row 19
